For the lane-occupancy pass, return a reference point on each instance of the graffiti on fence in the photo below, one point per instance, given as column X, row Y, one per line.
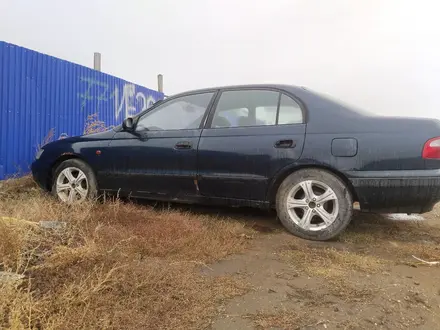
column 128, row 101
column 130, row 98
column 58, row 99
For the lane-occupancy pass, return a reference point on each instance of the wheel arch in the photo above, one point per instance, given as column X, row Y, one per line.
column 284, row 173
column 58, row 161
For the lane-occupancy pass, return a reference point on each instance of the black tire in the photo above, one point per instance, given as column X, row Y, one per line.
column 345, row 201
column 85, row 168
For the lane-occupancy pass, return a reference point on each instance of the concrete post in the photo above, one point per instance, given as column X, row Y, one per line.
column 160, row 83
column 97, row 62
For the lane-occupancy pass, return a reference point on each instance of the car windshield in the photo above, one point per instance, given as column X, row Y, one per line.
column 349, row 107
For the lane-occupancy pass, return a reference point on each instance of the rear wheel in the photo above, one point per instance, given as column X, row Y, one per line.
column 314, row 204
column 74, row 182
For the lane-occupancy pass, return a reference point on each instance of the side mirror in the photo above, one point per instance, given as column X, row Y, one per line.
column 128, row 124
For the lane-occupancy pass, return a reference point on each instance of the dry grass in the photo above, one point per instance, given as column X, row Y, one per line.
column 338, row 268
column 284, row 319
column 120, row 265
column 397, row 239
column 116, row 265
column 94, row 125
column 329, row 262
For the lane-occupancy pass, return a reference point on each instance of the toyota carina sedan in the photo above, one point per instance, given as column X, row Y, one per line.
column 304, row 154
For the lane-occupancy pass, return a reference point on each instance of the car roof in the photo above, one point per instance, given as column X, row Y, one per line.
column 289, row 88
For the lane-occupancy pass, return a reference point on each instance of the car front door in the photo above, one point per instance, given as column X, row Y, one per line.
column 250, row 135
column 159, row 158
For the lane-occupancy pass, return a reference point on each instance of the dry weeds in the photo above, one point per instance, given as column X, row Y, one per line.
column 121, row 265
column 397, row 239
column 370, row 246
column 329, row 262
column 94, row 125
column 116, row 265
column 338, row 268
column 284, row 319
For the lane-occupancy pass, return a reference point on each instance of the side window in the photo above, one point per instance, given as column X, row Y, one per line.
column 246, row 108
column 185, row 112
column 266, row 115
column 290, row 111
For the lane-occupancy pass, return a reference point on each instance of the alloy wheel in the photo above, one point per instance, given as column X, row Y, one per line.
column 312, row 205
column 72, row 185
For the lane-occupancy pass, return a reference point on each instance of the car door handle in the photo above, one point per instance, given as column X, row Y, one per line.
column 285, row 144
column 183, row 145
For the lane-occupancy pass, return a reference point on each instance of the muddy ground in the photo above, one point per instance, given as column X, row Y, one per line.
column 368, row 279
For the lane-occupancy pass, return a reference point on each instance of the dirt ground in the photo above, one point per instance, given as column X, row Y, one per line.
column 367, row 279
column 120, row 265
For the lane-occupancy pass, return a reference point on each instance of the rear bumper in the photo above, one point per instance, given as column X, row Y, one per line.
column 396, row 191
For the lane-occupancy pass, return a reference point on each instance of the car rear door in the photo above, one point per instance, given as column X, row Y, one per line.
column 250, row 135
column 159, row 158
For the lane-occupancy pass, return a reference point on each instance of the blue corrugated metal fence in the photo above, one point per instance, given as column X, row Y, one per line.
column 43, row 98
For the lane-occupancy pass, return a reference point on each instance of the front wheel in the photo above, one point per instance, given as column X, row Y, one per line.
column 314, row 204
column 74, row 182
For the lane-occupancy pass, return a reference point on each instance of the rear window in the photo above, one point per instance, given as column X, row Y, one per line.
column 290, row 111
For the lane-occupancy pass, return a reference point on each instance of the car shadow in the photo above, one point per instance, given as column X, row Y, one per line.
column 363, row 224
column 263, row 221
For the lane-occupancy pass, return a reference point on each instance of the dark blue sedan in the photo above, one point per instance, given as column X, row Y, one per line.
column 286, row 147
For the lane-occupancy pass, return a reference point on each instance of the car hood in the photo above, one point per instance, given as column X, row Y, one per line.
column 107, row 135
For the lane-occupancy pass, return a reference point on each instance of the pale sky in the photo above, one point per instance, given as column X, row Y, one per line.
column 382, row 55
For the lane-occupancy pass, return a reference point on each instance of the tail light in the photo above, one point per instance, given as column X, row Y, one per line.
column 431, row 149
